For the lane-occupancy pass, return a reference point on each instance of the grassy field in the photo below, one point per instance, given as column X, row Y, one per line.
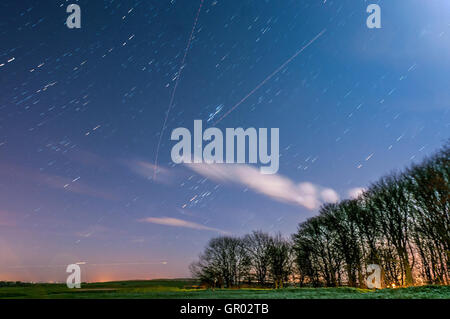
column 180, row 289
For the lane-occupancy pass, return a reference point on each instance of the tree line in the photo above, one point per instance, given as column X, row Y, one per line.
column 401, row 223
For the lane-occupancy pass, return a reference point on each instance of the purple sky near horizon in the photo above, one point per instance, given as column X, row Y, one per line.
column 81, row 112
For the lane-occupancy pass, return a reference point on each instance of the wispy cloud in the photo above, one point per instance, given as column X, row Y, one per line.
column 355, row 192
column 329, row 195
column 146, row 170
column 36, row 178
column 274, row 186
column 88, row 159
column 92, row 230
column 175, row 222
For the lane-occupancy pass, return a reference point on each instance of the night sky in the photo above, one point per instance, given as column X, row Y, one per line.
column 82, row 111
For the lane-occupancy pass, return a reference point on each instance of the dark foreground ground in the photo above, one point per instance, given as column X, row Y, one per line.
column 183, row 289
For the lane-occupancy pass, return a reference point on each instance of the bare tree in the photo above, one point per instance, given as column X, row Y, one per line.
column 340, row 220
column 391, row 202
column 280, row 261
column 225, row 262
column 257, row 245
column 429, row 185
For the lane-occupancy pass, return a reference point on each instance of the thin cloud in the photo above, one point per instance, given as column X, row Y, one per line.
column 329, row 195
column 274, row 186
column 87, row 158
column 175, row 222
column 146, row 170
column 356, row 192
column 37, row 178
column 92, row 231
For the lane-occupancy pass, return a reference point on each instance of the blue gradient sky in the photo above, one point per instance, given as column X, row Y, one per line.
column 81, row 112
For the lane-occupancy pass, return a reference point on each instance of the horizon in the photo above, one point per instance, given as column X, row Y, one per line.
column 101, row 282
column 86, row 173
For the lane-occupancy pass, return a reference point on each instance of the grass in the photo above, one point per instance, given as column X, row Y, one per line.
column 181, row 289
